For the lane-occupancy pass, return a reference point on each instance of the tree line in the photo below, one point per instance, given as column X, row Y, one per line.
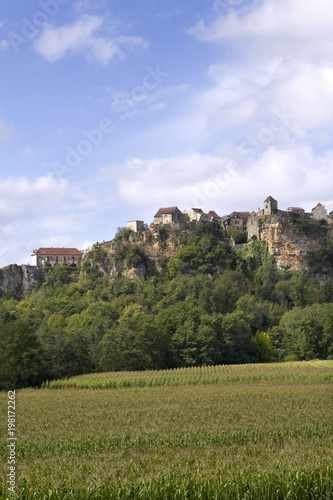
column 208, row 304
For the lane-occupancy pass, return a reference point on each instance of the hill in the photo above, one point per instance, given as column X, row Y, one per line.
column 184, row 299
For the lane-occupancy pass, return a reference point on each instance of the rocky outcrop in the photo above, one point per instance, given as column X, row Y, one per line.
column 157, row 248
column 19, row 279
column 289, row 240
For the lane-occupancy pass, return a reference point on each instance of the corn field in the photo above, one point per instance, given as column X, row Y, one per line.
column 223, row 432
column 302, row 371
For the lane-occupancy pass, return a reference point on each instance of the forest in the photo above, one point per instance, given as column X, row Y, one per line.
column 209, row 304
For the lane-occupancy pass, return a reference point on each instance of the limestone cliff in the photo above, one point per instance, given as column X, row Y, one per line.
column 19, row 279
column 290, row 238
column 157, row 248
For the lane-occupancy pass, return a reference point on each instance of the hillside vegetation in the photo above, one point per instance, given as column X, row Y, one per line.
column 206, row 304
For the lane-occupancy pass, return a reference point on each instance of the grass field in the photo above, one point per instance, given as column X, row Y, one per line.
column 245, row 431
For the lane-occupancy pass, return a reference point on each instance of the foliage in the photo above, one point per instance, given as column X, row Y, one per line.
column 237, row 235
column 307, row 227
column 264, row 351
column 208, row 304
column 99, row 254
column 321, row 261
column 21, row 360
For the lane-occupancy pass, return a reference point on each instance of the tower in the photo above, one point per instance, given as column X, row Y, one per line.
column 270, row 206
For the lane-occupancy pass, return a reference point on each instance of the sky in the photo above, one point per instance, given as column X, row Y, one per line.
column 110, row 110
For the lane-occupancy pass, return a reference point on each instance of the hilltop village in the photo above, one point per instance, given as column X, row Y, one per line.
column 244, row 221
column 267, row 224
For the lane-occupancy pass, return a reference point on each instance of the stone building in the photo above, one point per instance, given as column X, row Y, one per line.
column 198, row 215
column 48, row 257
column 271, row 206
column 195, row 214
column 319, row 212
column 236, row 220
column 296, row 210
column 252, row 226
column 168, row 215
column 136, row 225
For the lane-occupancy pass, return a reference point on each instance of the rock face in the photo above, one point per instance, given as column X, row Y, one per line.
column 156, row 250
column 20, row 279
column 289, row 241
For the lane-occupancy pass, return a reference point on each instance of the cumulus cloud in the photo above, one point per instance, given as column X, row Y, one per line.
column 44, row 212
column 280, row 59
column 276, row 26
column 294, row 176
column 85, row 36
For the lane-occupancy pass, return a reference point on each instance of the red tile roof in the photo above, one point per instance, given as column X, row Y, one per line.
column 296, row 208
column 319, row 204
column 167, row 210
column 269, row 198
column 57, row 251
column 197, row 210
column 214, row 214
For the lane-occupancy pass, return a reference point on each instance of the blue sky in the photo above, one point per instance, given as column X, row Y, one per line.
column 110, row 110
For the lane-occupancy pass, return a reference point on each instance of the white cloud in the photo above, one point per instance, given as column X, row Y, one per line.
column 276, row 26
column 44, row 212
column 87, row 245
column 294, row 176
column 4, row 45
column 85, row 36
column 280, row 57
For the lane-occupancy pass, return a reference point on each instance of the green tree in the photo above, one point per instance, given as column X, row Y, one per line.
column 263, row 347
column 21, row 356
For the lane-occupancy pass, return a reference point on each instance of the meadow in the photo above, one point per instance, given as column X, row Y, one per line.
column 238, row 431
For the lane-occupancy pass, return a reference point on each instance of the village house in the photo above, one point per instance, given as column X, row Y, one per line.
column 296, row 210
column 198, row 215
column 236, row 220
column 168, row 215
column 195, row 214
column 109, row 244
column 319, row 212
column 49, row 257
column 214, row 217
column 136, row 225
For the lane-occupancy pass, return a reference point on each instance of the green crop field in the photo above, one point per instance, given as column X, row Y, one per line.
column 233, row 432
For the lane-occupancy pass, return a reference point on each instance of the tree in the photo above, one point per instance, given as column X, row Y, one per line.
column 263, row 348
column 21, row 356
column 138, row 342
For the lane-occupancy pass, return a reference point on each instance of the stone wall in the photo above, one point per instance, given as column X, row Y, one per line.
column 252, row 227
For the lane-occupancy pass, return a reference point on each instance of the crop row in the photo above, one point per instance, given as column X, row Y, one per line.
column 319, row 371
column 315, row 484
